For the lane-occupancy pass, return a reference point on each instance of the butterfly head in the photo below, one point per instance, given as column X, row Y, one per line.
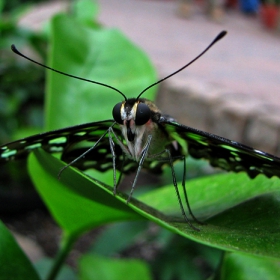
column 132, row 110
column 136, row 115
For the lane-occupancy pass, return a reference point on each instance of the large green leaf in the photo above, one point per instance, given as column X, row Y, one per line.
column 247, row 222
column 214, row 194
column 241, row 214
column 85, row 11
column 131, row 231
column 103, row 55
column 76, row 202
column 238, row 266
column 96, row 267
column 44, row 266
column 14, row 264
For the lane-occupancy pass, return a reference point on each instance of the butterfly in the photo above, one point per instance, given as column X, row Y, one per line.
column 140, row 136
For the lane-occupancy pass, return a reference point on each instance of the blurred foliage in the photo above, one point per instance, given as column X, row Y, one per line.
column 21, row 101
column 11, row 5
column 21, row 95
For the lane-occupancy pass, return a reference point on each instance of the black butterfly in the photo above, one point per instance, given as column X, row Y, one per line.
column 140, row 136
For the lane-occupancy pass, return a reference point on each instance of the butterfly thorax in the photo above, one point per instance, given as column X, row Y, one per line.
column 135, row 135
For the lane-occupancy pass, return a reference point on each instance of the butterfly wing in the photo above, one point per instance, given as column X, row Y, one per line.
column 221, row 152
column 71, row 142
column 53, row 141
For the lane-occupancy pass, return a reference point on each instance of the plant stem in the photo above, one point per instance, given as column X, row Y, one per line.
column 66, row 246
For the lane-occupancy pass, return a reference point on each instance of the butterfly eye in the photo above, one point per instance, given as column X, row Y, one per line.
column 143, row 114
column 117, row 113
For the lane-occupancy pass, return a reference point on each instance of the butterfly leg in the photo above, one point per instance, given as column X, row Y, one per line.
column 86, row 152
column 141, row 162
column 121, row 171
column 124, row 150
column 178, row 194
column 185, row 193
column 112, row 147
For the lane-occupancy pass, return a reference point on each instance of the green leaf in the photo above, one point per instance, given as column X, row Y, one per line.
column 103, row 55
column 86, row 11
column 241, row 220
column 1, row 5
column 76, row 202
column 43, row 266
column 238, row 266
column 213, row 194
column 130, row 232
column 96, row 267
column 14, row 264
column 241, row 214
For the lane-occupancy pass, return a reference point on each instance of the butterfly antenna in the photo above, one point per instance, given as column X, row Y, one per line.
column 218, row 37
column 16, row 51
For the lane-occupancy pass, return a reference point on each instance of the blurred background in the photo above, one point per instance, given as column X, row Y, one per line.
column 232, row 91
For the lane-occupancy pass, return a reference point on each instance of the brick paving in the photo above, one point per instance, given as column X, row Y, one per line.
column 231, row 91
column 244, row 61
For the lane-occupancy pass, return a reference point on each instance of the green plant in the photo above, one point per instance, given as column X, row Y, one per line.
column 21, row 102
column 241, row 214
column 21, row 96
column 271, row 2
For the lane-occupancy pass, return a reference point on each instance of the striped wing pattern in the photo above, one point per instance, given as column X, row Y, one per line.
column 221, row 152
column 70, row 142
column 73, row 141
